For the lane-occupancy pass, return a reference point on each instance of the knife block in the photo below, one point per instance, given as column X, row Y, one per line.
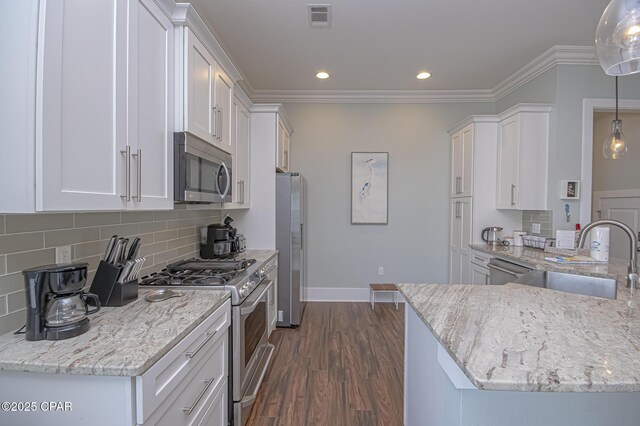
column 110, row 291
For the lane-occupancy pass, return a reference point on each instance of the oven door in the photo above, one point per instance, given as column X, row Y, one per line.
column 250, row 337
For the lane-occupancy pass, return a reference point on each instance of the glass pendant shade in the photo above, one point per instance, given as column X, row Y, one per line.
column 618, row 38
column 615, row 146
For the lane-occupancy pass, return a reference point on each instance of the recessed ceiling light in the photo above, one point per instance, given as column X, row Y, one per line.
column 322, row 75
column 423, row 75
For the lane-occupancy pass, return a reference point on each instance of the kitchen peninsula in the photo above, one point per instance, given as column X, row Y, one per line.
column 514, row 354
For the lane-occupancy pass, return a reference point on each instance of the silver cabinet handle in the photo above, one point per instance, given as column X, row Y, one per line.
column 243, row 191
column 513, row 196
column 189, row 410
column 486, row 280
column 127, row 173
column 221, row 112
column 481, row 259
column 138, row 156
column 240, row 191
column 458, row 184
column 215, row 119
column 209, row 337
column 457, row 209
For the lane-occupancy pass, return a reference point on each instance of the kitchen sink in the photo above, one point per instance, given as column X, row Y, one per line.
column 571, row 283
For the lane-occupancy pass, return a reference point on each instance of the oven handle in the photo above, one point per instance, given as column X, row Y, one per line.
column 250, row 399
column 248, row 310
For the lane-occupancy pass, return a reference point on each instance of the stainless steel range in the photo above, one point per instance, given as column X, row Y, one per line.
column 249, row 285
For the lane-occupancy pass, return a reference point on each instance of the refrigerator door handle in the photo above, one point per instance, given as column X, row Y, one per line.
column 301, row 237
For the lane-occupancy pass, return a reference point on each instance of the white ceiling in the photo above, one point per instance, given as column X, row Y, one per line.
column 383, row 44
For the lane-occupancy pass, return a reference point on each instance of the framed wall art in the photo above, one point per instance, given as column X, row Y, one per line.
column 369, row 188
column 570, row 189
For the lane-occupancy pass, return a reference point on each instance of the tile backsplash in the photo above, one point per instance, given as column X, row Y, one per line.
column 28, row 240
column 543, row 217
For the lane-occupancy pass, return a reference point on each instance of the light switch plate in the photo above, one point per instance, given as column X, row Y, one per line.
column 535, row 228
column 63, row 254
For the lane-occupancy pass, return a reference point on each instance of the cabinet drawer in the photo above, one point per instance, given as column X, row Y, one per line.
column 215, row 411
column 191, row 399
column 480, row 259
column 161, row 380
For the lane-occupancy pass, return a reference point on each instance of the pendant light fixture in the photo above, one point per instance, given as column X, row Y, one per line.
column 614, row 146
column 618, row 38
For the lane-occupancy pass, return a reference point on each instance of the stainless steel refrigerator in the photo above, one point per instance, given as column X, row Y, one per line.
column 290, row 243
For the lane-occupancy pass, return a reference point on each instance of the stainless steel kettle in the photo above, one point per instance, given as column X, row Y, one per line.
column 492, row 235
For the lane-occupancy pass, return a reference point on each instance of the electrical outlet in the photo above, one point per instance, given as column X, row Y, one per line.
column 63, row 254
column 380, row 271
column 280, row 316
column 535, row 228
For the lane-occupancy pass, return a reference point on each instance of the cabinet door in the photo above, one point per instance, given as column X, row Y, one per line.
column 280, row 160
column 456, row 163
column 200, row 72
column 466, row 183
column 462, row 162
column 82, row 106
column 242, row 155
column 150, row 122
column 508, row 163
column 460, row 238
column 223, row 104
column 479, row 275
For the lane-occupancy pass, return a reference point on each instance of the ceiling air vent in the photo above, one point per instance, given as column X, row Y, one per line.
column 319, row 15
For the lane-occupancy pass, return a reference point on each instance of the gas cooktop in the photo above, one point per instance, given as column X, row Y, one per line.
column 199, row 272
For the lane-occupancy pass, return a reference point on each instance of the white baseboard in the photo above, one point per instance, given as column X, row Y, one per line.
column 346, row 294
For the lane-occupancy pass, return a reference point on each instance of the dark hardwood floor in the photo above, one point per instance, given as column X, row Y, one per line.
column 342, row 366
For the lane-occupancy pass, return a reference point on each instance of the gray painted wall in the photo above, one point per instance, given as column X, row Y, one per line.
column 412, row 247
column 611, row 175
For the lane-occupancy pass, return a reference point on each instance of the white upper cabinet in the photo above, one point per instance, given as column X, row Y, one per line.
column 105, row 106
column 241, row 156
column 462, row 162
column 523, row 147
column 208, row 95
column 284, row 145
column 151, row 105
column 82, row 59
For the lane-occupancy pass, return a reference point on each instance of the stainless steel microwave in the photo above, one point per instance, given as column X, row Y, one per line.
column 202, row 172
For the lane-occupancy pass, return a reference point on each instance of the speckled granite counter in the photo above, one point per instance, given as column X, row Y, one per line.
column 259, row 255
column 123, row 341
column 515, row 337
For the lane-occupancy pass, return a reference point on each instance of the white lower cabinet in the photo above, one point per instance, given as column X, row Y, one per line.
column 460, row 238
column 186, row 386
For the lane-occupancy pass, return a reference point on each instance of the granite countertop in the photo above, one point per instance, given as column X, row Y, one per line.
column 123, row 341
column 520, row 338
column 259, row 255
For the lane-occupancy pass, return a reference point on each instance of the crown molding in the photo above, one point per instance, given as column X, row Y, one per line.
column 372, row 96
column 484, row 118
column 185, row 14
column 556, row 55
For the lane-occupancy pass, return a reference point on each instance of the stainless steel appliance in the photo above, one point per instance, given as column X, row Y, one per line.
column 290, row 243
column 57, row 306
column 503, row 272
column 491, row 235
column 249, row 284
column 202, row 172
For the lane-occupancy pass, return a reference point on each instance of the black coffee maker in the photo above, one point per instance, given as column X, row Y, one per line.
column 57, row 308
column 217, row 240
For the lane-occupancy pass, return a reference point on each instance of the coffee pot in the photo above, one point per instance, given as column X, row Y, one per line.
column 491, row 235
column 57, row 306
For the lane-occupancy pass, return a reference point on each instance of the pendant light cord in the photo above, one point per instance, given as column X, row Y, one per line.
column 616, row 98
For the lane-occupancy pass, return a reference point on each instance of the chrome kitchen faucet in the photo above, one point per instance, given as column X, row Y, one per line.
column 632, row 277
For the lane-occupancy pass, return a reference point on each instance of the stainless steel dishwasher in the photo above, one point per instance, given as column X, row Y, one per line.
column 502, row 271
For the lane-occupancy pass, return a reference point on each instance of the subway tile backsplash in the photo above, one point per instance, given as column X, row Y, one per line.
column 543, row 217
column 29, row 240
